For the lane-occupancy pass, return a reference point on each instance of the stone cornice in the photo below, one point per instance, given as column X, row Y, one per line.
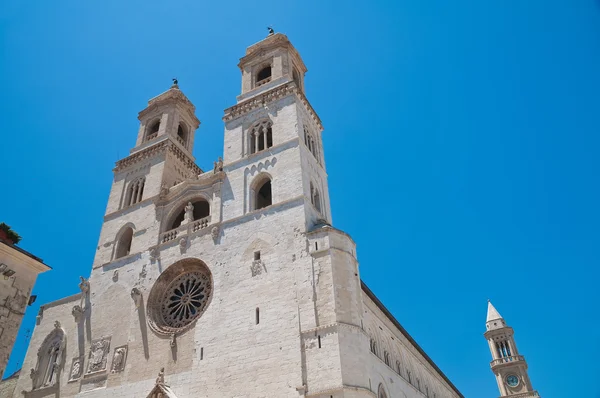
column 270, row 43
column 162, row 147
column 268, row 97
column 343, row 387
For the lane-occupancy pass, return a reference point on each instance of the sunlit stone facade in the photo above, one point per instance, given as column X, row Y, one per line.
column 230, row 282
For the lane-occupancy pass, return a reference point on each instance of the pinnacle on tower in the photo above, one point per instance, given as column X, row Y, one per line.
column 492, row 313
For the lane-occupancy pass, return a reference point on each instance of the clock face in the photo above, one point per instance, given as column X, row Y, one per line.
column 512, row 380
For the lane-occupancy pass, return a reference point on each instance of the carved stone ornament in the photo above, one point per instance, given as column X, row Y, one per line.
column 154, row 253
column 56, row 324
column 32, row 374
column 257, row 267
column 214, row 232
column 76, row 368
column 160, row 380
column 84, row 285
column 77, row 313
column 172, row 340
column 136, row 295
column 98, row 355
column 119, row 358
column 164, row 191
column 183, row 243
column 115, row 275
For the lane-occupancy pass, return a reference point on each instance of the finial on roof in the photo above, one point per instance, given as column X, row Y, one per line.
column 175, row 83
column 271, row 31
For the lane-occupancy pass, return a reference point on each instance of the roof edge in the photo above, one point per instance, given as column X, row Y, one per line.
column 407, row 335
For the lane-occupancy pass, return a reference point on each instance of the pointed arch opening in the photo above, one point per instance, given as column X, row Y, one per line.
column 50, row 359
column 124, row 243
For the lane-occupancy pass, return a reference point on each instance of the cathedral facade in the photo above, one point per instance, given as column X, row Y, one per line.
column 230, row 282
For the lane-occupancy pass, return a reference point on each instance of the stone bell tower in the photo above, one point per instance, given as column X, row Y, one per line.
column 508, row 366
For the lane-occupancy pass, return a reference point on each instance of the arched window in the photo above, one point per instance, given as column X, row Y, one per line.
column 264, row 196
column 152, row 132
column 296, row 77
column 49, row 359
column 311, row 143
column 373, row 346
column 386, row 358
column 135, row 192
column 261, row 136
column 315, row 197
column 182, row 134
column 201, row 209
column 381, row 392
column 124, row 243
column 263, row 76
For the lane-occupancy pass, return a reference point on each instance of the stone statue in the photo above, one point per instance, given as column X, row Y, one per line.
column 76, row 369
column 189, row 212
column 172, row 341
column 136, row 295
column 77, row 313
column 164, row 191
column 57, row 324
column 214, row 232
column 32, row 373
column 161, row 376
column 84, row 285
column 118, row 360
column 218, row 165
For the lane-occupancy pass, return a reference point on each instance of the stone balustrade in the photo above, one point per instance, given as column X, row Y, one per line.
column 152, row 136
column 513, row 358
column 181, row 141
column 200, row 224
column 263, row 81
column 187, row 228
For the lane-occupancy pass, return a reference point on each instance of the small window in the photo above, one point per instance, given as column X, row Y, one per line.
column 261, row 137
column 124, row 243
column 296, row 77
column 263, row 76
column 263, row 196
column 135, row 192
column 257, row 255
column 257, row 316
column 153, row 131
column 182, row 134
column 315, row 197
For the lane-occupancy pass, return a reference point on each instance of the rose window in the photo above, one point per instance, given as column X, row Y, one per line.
column 179, row 297
column 185, row 299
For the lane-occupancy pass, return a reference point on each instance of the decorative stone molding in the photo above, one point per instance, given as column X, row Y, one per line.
column 160, row 379
column 98, row 355
column 259, row 101
column 84, row 286
column 154, row 253
column 119, row 358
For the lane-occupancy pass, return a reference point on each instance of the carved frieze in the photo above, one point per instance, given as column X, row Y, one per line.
column 98, row 355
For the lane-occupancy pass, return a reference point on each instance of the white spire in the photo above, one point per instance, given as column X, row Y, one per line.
column 492, row 313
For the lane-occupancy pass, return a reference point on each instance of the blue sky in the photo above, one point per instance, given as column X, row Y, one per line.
column 461, row 141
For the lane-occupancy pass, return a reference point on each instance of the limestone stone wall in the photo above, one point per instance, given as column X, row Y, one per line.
column 14, row 295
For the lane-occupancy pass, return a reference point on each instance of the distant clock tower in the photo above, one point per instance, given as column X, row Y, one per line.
column 509, row 367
